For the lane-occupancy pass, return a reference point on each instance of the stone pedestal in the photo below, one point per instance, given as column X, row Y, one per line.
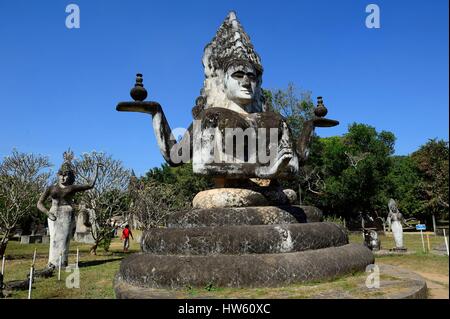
column 222, row 245
column 45, row 239
column 84, row 237
column 34, row 239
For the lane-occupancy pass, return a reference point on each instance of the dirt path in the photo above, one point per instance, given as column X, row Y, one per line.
column 437, row 285
column 437, row 278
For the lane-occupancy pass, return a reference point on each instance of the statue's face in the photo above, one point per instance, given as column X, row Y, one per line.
column 241, row 84
column 64, row 179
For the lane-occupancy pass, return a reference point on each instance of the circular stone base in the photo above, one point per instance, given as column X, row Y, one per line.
column 243, row 239
column 386, row 252
column 228, row 197
column 262, row 215
column 395, row 283
column 248, row 270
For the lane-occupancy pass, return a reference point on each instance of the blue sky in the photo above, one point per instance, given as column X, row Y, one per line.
column 59, row 87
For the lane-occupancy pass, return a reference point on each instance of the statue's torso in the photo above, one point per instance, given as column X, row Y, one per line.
column 261, row 137
column 61, row 195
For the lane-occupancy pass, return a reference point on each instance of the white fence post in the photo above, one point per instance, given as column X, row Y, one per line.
column 446, row 242
column 34, row 257
column 423, row 243
column 59, row 267
column 31, row 282
column 3, row 265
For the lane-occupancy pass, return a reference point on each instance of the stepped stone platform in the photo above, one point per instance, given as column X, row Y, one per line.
column 248, row 270
column 240, row 247
column 395, row 283
column 259, row 215
column 243, row 239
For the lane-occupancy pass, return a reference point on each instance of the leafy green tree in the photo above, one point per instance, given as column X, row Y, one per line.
column 294, row 105
column 403, row 184
column 432, row 160
column 352, row 170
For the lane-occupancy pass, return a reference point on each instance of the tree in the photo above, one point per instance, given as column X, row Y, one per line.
column 108, row 198
column 294, row 105
column 182, row 180
column 432, row 160
column 22, row 179
column 353, row 169
column 403, row 184
column 154, row 202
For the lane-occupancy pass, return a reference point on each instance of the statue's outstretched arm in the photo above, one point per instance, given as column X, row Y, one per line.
column 161, row 127
column 85, row 187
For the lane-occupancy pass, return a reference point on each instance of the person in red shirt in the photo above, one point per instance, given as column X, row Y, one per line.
column 126, row 233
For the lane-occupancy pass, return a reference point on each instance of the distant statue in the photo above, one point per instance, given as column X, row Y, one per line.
column 395, row 220
column 61, row 217
column 371, row 240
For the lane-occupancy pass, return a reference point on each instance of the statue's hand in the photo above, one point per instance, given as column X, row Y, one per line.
column 141, row 107
column 51, row 216
column 283, row 159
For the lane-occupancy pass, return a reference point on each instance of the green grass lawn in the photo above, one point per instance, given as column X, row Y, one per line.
column 97, row 272
column 419, row 260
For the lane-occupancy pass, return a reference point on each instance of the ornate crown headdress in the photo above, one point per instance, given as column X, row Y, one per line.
column 230, row 44
column 67, row 166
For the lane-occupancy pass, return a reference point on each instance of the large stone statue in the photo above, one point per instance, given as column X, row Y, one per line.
column 395, row 220
column 247, row 231
column 61, row 216
column 230, row 110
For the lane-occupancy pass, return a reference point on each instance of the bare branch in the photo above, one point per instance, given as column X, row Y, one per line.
column 355, row 159
column 22, row 178
column 108, row 197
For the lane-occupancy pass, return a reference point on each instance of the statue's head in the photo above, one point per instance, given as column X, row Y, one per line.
column 240, row 83
column 66, row 174
column 233, row 70
column 392, row 206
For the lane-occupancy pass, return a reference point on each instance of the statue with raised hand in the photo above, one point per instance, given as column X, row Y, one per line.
column 395, row 220
column 61, row 217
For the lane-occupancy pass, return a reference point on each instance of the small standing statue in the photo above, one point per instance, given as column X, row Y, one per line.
column 61, row 217
column 395, row 220
column 371, row 240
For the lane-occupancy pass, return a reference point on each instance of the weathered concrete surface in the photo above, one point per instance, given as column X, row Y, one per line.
column 395, row 283
column 85, row 238
column 416, row 287
column 243, row 239
column 248, row 270
column 262, row 215
column 228, row 197
column 60, row 233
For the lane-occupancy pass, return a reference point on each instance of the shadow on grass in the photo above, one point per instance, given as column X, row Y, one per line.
column 123, row 254
column 90, row 263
